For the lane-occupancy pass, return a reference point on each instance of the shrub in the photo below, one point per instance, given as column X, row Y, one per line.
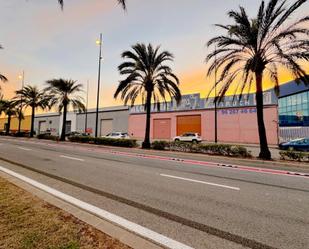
column 181, row 146
column 130, row 143
column 80, row 139
column 294, row 155
column 211, row 149
column 241, row 151
column 160, row 145
column 47, row 137
column 21, row 134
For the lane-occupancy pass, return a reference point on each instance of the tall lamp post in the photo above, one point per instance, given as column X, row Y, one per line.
column 22, row 78
column 216, row 114
column 98, row 42
column 86, row 114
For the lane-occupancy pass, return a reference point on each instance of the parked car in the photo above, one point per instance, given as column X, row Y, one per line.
column 189, row 137
column 117, row 135
column 301, row 144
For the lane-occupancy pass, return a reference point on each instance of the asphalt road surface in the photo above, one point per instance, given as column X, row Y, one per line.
column 201, row 206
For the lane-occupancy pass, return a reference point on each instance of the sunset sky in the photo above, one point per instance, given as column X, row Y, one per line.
column 46, row 42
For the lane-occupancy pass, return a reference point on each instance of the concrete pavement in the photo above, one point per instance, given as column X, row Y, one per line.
column 201, row 206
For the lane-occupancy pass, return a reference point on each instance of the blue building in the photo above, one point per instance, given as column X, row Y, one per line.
column 293, row 110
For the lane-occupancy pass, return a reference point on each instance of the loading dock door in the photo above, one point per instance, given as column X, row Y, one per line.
column 162, row 128
column 190, row 123
column 42, row 127
column 106, row 126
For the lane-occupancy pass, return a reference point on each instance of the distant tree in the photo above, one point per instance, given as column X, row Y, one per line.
column 63, row 95
column 9, row 109
column 149, row 78
column 122, row 2
column 34, row 98
column 253, row 49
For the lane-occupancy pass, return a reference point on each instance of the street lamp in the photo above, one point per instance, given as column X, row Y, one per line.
column 86, row 114
column 22, row 78
column 216, row 114
column 99, row 43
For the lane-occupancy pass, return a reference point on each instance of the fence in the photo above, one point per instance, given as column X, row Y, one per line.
column 289, row 133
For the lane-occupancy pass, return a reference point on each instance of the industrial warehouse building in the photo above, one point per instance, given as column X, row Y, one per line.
column 110, row 119
column 236, row 119
column 286, row 117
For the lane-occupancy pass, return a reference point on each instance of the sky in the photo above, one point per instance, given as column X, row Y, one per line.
column 49, row 43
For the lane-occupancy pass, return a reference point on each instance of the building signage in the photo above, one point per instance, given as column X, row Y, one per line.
column 237, row 111
column 195, row 102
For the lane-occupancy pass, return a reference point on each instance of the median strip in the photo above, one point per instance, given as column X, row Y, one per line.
column 29, row 222
column 202, row 182
column 135, row 228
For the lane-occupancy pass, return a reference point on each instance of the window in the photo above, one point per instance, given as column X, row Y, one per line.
column 298, row 99
column 294, row 110
column 305, row 97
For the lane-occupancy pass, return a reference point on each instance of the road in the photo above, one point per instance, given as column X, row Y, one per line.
column 201, row 206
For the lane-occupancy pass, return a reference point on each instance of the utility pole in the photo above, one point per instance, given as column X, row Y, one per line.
column 98, row 42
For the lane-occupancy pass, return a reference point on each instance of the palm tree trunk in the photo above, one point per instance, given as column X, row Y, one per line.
column 62, row 137
column 146, row 143
column 8, row 125
column 32, row 121
column 264, row 150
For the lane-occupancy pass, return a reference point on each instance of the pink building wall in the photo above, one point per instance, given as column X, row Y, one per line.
column 235, row 125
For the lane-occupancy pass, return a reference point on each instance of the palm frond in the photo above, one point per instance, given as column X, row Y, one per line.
column 259, row 44
column 121, row 2
column 147, row 74
column 62, row 92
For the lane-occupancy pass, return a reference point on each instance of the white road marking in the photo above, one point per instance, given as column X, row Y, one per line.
column 73, row 158
column 202, row 182
column 23, row 148
column 135, row 228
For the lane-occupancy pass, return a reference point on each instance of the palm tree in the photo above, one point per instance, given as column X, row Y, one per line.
column 149, row 78
column 63, row 95
column 2, row 77
column 254, row 49
column 9, row 108
column 34, row 98
column 122, row 2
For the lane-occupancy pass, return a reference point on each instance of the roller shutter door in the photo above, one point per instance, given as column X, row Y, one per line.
column 191, row 123
column 162, row 128
column 106, row 126
column 42, row 127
